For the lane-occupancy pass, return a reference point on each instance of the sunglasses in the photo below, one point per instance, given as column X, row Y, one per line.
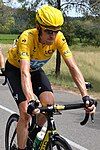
column 49, row 32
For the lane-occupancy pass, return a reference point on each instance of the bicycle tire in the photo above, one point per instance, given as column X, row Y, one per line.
column 58, row 143
column 11, row 140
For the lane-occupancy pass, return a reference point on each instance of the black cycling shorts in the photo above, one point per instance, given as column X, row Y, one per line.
column 40, row 82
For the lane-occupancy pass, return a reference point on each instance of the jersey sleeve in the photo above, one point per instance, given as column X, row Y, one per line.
column 24, row 46
column 62, row 46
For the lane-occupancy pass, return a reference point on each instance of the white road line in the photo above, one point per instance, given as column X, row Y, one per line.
column 69, row 141
column 6, row 109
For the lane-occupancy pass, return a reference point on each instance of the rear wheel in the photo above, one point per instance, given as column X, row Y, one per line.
column 10, row 133
column 58, row 143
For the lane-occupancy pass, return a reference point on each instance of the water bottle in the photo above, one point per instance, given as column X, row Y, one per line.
column 38, row 139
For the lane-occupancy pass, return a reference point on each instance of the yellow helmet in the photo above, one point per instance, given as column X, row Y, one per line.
column 49, row 17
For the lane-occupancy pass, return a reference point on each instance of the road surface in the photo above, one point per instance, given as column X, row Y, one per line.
column 68, row 124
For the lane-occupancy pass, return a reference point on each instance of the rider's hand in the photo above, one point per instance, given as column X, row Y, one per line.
column 90, row 105
column 33, row 107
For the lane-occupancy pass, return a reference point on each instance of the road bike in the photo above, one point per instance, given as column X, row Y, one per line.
column 52, row 139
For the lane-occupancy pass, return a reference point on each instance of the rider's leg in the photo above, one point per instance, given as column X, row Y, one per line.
column 43, row 90
column 46, row 99
column 22, row 126
column 14, row 83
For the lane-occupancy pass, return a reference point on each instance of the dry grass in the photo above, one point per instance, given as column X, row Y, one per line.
column 89, row 63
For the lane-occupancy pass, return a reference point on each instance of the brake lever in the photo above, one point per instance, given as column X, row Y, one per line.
column 85, row 119
column 87, row 116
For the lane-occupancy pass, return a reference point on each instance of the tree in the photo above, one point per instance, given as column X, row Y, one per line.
column 83, row 6
column 88, row 31
column 95, row 7
column 24, row 19
column 6, row 18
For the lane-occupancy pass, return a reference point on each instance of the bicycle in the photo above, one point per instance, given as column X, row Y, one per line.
column 52, row 140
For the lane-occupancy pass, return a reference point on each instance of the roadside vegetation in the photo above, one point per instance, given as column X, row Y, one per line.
column 89, row 64
column 87, row 58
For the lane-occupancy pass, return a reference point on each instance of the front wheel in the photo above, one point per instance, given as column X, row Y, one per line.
column 10, row 133
column 58, row 143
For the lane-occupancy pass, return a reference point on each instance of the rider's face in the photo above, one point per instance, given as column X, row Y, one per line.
column 48, row 36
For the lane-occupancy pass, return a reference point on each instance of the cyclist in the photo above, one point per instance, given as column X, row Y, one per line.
column 2, row 61
column 26, row 78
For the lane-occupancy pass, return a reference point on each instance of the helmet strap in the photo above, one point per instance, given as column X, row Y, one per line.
column 39, row 30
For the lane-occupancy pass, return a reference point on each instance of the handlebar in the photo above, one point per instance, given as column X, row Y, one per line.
column 61, row 107
column 66, row 107
column 57, row 108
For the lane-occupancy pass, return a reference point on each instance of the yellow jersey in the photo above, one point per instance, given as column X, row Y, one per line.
column 29, row 48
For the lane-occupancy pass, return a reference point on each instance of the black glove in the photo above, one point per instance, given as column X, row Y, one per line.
column 87, row 99
column 31, row 106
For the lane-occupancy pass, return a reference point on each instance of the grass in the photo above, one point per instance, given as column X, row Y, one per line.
column 88, row 60
column 89, row 63
column 82, row 48
column 7, row 38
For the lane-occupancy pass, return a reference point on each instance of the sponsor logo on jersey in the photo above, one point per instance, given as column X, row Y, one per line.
column 34, row 50
column 36, row 64
column 24, row 54
column 49, row 52
column 67, row 52
column 64, row 39
column 23, row 40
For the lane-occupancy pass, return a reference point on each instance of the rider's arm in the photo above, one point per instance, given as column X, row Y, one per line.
column 80, row 82
column 26, row 79
column 77, row 75
column 70, row 62
column 24, row 46
column 74, row 70
column 2, row 61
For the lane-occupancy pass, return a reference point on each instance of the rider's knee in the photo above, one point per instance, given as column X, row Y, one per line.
column 47, row 98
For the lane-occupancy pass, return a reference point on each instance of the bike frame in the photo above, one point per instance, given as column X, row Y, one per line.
column 50, row 132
